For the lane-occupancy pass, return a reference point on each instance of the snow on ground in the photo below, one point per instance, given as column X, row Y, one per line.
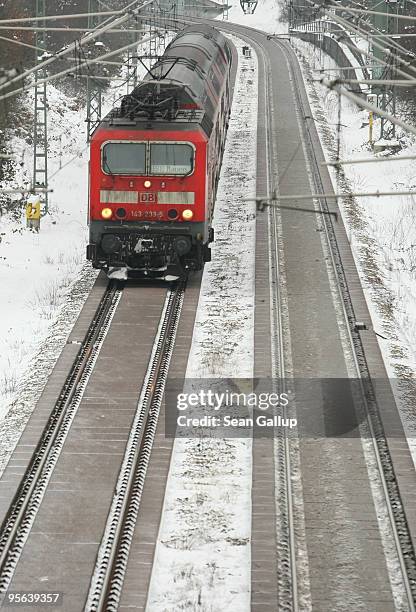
column 382, row 231
column 203, row 553
column 265, row 17
column 38, row 270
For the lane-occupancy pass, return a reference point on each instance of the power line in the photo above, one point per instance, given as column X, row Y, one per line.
column 357, row 30
column 377, row 33
column 19, row 42
column 333, row 196
column 381, row 82
column 24, row 190
column 364, row 104
column 377, row 45
column 386, row 97
column 72, row 47
column 342, row 39
column 367, row 12
column 369, row 160
column 70, row 70
column 57, row 17
column 342, row 68
column 38, row 29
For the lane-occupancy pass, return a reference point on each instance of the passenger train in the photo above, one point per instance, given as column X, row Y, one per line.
column 155, row 163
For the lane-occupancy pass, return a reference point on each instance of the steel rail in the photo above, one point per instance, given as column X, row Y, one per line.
column 107, row 581
column 288, row 588
column 288, row 596
column 400, row 530
column 17, row 524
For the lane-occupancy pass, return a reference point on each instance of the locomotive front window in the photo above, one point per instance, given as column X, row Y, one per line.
column 124, row 158
column 171, row 159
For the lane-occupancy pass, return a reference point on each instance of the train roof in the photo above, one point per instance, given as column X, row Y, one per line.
column 184, row 85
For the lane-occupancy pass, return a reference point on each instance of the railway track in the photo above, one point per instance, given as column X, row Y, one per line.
column 104, row 591
column 107, row 583
column 287, row 578
column 398, row 545
column 398, row 523
column 18, row 522
column 375, row 429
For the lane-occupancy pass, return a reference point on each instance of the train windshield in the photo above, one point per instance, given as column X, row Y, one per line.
column 171, row 159
column 124, row 158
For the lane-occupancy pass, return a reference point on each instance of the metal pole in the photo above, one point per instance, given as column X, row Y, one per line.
column 132, row 63
column 94, row 90
column 40, row 136
column 386, row 96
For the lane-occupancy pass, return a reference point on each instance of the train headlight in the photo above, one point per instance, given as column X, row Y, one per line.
column 106, row 213
column 187, row 214
column 147, row 184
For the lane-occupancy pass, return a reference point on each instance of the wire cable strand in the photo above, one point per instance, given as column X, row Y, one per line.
column 92, row 35
column 57, row 17
column 71, row 70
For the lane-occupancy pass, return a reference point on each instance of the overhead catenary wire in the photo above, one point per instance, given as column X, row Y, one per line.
column 98, row 61
column 369, row 160
column 58, row 17
column 100, row 78
column 381, row 82
column 71, row 70
column 336, row 196
column 364, row 104
column 86, row 30
column 368, row 12
column 21, row 43
column 342, row 68
column 366, row 34
column 376, row 32
column 359, row 31
column 371, row 57
column 92, row 35
column 25, row 190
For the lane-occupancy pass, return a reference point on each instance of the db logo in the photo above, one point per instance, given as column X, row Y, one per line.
column 146, row 198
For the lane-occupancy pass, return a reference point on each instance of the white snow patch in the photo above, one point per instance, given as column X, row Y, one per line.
column 266, row 17
column 37, row 270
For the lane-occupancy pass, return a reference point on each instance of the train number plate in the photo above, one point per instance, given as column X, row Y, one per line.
column 147, row 198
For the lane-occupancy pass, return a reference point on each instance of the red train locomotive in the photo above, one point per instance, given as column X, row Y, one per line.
column 155, row 163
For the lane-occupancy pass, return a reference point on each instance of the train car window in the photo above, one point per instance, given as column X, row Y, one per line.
column 171, row 159
column 124, row 158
